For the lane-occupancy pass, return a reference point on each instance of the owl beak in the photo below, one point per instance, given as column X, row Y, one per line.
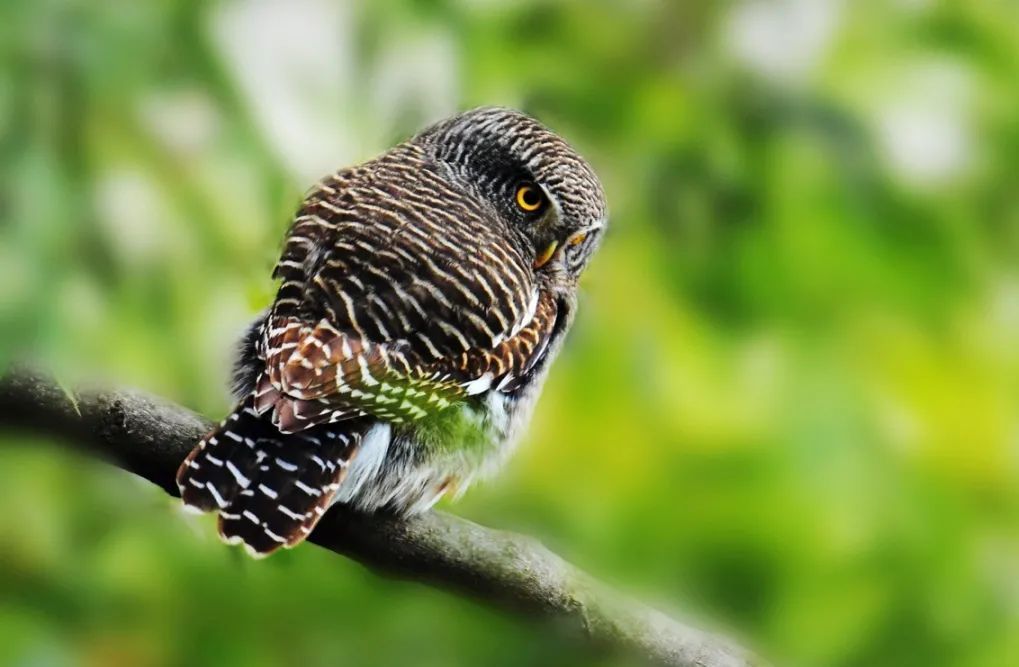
column 543, row 258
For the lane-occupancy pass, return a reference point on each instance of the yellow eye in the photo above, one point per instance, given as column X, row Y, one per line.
column 529, row 198
column 577, row 239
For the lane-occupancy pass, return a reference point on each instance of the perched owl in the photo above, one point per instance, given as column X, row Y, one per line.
column 423, row 296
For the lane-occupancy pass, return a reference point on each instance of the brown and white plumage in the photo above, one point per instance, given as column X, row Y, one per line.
column 421, row 300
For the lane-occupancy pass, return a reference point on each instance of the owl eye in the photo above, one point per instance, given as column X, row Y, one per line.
column 529, row 198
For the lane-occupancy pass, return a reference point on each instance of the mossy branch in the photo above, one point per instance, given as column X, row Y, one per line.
column 149, row 437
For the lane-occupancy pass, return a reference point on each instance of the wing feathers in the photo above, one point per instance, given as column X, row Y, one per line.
column 400, row 296
column 318, row 374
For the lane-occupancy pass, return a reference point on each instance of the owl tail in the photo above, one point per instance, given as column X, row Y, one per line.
column 269, row 489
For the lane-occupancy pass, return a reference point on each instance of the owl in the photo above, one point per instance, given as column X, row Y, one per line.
column 422, row 298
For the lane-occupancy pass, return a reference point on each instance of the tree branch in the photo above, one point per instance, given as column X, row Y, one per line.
column 150, row 437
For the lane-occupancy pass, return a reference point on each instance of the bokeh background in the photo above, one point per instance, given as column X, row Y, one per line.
column 789, row 408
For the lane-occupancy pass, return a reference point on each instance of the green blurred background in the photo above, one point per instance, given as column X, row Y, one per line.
column 790, row 405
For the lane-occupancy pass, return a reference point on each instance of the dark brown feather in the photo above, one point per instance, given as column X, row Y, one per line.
column 397, row 292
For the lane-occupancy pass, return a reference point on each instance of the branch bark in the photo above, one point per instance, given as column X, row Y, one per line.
column 149, row 437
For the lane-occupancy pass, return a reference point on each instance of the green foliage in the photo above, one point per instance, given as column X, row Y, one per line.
column 789, row 404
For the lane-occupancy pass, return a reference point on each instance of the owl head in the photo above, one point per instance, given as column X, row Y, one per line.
column 532, row 180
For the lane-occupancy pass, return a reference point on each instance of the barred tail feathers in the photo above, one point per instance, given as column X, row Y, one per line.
column 269, row 489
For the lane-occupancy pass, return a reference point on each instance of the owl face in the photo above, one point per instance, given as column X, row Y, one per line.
column 546, row 194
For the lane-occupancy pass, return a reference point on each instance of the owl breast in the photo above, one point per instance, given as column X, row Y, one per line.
column 406, row 469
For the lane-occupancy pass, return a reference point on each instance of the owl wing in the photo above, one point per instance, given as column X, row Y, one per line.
column 392, row 307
